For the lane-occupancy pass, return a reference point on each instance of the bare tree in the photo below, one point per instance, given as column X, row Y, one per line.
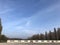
column 46, row 36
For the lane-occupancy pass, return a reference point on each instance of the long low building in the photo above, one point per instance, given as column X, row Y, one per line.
column 33, row 41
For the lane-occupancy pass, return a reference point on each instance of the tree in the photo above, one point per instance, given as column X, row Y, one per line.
column 41, row 36
column 35, row 37
column 46, row 36
column 3, row 38
column 58, row 33
column 0, row 27
column 55, row 34
column 49, row 35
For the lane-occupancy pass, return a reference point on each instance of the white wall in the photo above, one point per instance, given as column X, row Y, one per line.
column 33, row 41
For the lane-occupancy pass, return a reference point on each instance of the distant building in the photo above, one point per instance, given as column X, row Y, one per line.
column 0, row 27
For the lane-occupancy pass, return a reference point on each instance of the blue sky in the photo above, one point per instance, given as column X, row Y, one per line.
column 24, row 18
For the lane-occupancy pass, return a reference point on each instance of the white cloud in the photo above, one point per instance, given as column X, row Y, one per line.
column 6, row 11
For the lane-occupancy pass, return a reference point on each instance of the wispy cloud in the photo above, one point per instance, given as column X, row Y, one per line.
column 27, row 25
column 6, row 11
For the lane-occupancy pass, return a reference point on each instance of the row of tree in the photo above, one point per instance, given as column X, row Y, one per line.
column 55, row 35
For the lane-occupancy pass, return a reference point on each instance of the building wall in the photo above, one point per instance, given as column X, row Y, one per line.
column 33, row 41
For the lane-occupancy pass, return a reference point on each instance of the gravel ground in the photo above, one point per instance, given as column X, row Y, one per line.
column 29, row 44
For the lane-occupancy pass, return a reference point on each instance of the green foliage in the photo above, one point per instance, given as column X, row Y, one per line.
column 3, row 38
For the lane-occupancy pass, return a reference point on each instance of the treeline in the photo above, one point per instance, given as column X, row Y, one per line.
column 55, row 35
